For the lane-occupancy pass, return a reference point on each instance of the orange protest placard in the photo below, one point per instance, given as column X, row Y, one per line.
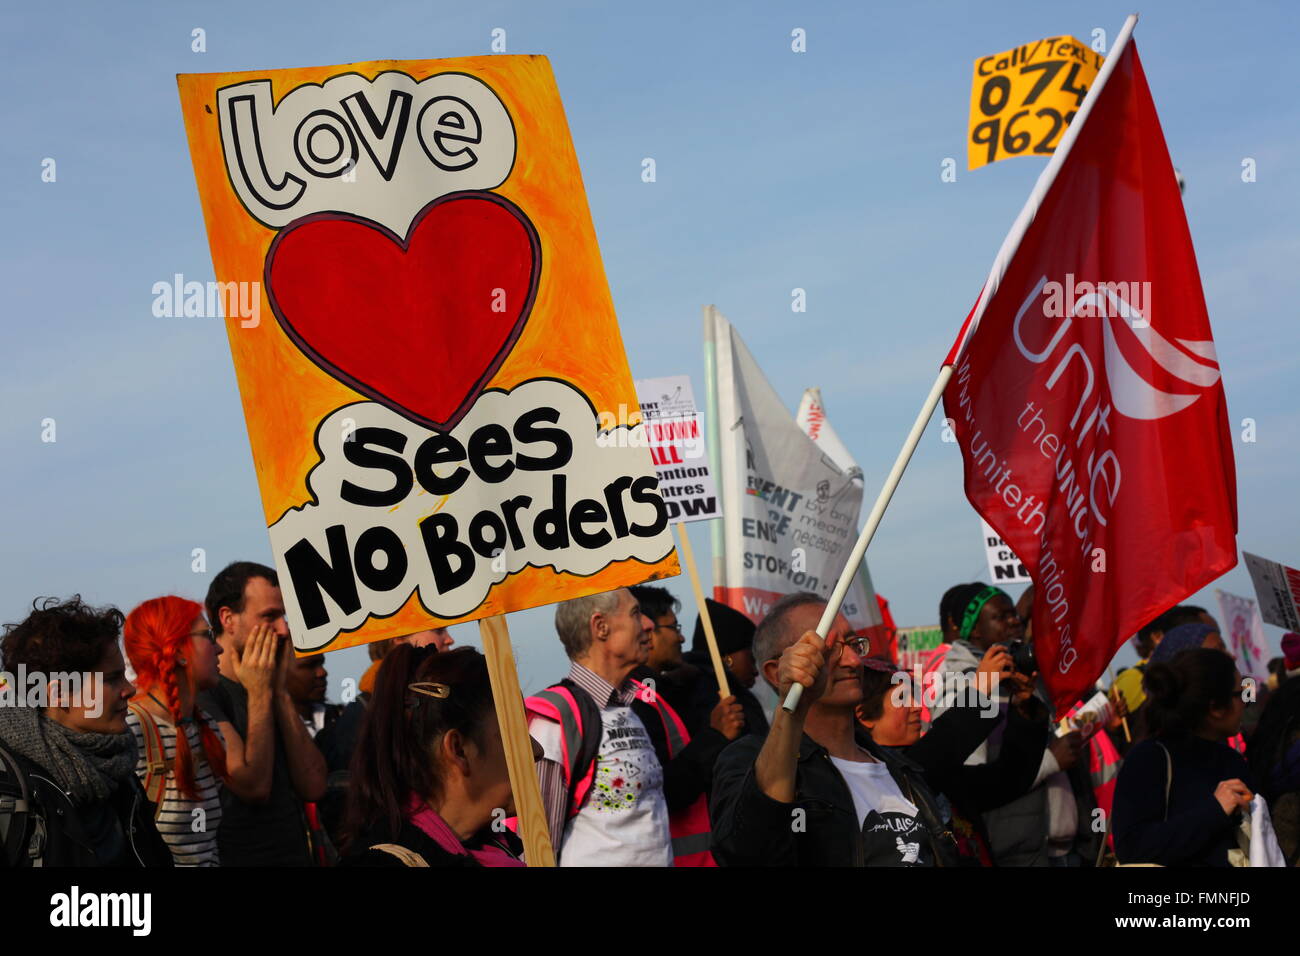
column 430, row 346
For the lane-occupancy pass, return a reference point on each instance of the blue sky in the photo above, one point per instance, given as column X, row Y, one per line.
column 775, row 170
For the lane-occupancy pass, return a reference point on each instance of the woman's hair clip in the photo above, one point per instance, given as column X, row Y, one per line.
column 430, row 689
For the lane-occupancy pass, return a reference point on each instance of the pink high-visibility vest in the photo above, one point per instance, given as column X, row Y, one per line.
column 689, row 827
column 932, row 664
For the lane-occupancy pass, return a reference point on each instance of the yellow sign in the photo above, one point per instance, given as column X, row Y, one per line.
column 1022, row 100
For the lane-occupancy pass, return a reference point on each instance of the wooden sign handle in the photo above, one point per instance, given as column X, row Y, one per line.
column 509, row 701
column 689, row 557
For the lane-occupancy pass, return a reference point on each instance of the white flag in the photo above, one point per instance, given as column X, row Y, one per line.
column 860, row 607
column 790, row 513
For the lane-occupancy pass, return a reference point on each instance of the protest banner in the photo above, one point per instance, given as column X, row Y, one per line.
column 1243, row 632
column 789, row 511
column 1105, row 559
column 861, row 608
column 672, row 426
column 436, row 342
column 1004, row 566
column 1278, row 589
column 1022, row 100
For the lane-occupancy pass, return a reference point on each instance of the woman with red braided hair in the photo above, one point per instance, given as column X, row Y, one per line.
column 175, row 654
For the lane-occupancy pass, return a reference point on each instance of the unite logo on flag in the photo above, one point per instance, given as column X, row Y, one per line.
column 1133, row 396
column 1087, row 399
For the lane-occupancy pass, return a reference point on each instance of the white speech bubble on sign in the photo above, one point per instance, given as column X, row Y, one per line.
column 381, row 149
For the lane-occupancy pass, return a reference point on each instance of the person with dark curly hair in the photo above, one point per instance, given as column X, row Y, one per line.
column 64, row 743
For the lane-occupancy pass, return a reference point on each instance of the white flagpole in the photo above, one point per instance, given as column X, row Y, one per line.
column 717, row 533
column 1000, row 263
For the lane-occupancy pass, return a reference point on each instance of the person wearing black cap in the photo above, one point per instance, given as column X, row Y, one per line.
column 694, row 687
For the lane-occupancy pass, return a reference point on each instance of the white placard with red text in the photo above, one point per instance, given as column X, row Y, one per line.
column 676, row 437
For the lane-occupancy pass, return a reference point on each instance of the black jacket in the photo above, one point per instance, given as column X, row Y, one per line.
column 58, row 833
column 690, row 772
column 1189, row 827
column 692, row 690
column 752, row 829
column 943, row 750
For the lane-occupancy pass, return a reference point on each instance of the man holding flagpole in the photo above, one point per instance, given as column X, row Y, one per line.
column 817, row 790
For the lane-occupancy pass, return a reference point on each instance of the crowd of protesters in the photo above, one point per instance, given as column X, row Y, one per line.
column 200, row 739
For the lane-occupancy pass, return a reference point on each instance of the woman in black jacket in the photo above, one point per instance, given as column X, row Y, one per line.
column 1180, row 793
column 67, row 747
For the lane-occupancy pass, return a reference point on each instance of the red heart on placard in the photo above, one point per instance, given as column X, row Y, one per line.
column 422, row 324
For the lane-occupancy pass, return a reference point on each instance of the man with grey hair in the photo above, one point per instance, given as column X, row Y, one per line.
column 817, row 791
column 602, row 783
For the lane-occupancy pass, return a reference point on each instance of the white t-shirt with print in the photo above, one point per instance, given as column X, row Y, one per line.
column 892, row 833
column 623, row 820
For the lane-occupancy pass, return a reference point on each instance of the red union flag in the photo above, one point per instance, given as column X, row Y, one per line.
column 1086, row 396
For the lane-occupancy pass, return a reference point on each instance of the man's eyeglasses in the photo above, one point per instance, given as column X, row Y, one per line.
column 670, row 627
column 861, row 645
column 206, row 632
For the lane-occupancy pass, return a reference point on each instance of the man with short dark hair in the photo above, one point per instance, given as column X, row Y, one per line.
column 262, row 812
column 666, row 639
column 711, row 723
column 817, row 791
column 307, row 681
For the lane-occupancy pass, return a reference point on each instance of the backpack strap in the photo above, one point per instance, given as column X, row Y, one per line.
column 17, row 808
column 581, row 730
column 674, row 729
column 155, row 757
column 408, row 857
column 1169, row 775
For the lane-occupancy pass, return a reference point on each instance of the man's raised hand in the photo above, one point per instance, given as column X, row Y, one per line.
column 255, row 667
column 805, row 662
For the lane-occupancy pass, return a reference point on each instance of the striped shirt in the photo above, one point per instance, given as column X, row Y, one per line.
column 191, row 836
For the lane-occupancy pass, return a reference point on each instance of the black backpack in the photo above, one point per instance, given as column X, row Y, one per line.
column 22, row 828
